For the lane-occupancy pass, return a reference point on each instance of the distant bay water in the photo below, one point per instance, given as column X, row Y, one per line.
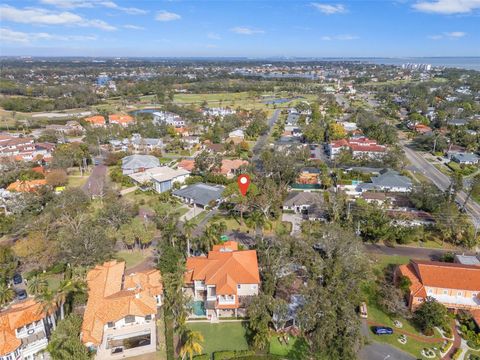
column 470, row 63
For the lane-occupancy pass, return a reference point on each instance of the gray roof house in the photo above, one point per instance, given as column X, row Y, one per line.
column 388, row 180
column 457, row 122
column 138, row 163
column 200, row 194
column 160, row 178
column 308, row 203
column 465, row 158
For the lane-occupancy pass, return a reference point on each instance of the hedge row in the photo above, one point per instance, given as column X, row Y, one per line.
column 226, row 355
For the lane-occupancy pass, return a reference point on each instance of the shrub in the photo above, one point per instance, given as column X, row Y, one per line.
column 202, row 357
column 226, row 355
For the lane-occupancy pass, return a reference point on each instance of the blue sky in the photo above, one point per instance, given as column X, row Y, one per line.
column 252, row 28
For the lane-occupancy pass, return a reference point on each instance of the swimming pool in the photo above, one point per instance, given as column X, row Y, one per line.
column 198, row 308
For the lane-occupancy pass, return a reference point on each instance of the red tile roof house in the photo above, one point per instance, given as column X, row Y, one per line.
column 96, row 121
column 24, row 330
column 120, row 316
column 122, row 120
column 361, row 147
column 222, row 282
column 456, row 286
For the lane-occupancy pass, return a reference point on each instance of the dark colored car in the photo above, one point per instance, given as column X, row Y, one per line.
column 382, row 330
column 17, row 279
column 21, row 294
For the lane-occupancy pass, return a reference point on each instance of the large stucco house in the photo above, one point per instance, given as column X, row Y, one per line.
column 120, row 316
column 222, row 283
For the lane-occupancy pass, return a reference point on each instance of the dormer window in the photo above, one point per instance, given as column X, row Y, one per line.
column 110, row 324
column 129, row 319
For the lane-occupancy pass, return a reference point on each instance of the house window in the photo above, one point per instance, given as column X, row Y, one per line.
column 445, row 292
column 459, row 293
column 129, row 319
column 239, row 286
column 474, row 295
column 110, row 324
column 148, row 317
column 430, row 291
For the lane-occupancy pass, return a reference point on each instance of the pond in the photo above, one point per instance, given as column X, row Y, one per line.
column 144, row 111
column 281, row 100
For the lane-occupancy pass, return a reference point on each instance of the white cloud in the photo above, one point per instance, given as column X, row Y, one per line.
column 329, row 9
column 39, row 16
column 73, row 4
column 68, row 4
column 127, row 10
column 245, row 30
column 11, row 36
column 133, row 27
column 213, row 36
column 455, row 34
column 447, row 6
column 341, row 37
column 164, row 15
column 448, row 35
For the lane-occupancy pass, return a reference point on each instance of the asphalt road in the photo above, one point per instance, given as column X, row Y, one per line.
column 262, row 140
column 441, row 181
column 411, row 252
column 378, row 351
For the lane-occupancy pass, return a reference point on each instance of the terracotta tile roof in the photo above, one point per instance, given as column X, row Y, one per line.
column 225, row 267
column 230, row 165
column 187, row 164
column 440, row 275
column 97, row 119
column 111, row 298
column 16, row 316
column 120, row 119
column 476, row 316
column 448, row 275
column 27, row 185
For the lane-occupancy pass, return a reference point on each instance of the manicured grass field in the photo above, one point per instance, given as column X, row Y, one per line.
column 133, row 258
column 223, row 336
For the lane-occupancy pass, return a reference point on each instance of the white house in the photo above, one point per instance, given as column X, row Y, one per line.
column 24, row 331
column 161, row 178
column 168, row 118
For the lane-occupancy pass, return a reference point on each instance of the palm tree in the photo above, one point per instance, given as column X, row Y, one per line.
column 6, row 294
column 48, row 302
column 65, row 293
column 191, row 344
column 188, row 228
column 37, row 285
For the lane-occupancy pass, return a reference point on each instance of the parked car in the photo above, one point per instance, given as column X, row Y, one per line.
column 21, row 295
column 17, row 279
column 382, row 330
column 363, row 310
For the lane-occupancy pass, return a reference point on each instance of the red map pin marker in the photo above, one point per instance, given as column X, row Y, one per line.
column 243, row 183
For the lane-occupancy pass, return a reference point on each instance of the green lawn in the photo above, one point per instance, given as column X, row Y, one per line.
column 223, row 336
column 76, row 180
column 382, row 261
column 471, row 352
column 133, row 258
column 295, row 346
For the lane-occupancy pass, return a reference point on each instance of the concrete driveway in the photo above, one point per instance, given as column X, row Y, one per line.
column 296, row 220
